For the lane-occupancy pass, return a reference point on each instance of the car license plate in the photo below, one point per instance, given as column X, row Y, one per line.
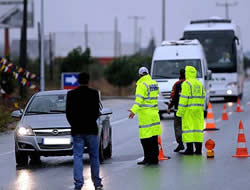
column 212, row 92
column 56, row 141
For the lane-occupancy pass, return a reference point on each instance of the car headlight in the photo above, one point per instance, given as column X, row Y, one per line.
column 232, row 85
column 24, row 131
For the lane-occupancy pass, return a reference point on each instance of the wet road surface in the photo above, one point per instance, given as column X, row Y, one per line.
column 122, row 173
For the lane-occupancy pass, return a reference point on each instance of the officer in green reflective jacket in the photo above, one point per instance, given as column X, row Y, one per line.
column 146, row 105
column 190, row 108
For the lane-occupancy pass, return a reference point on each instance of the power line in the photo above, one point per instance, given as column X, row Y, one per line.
column 227, row 6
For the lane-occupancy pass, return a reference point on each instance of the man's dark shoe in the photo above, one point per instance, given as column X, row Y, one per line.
column 77, row 188
column 179, row 148
column 142, row 162
column 152, row 163
column 99, row 187
column 197, row 153
column 187, row 152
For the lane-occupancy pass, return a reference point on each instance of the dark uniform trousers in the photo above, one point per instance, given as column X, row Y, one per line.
column 151, row 149
column 177, row 128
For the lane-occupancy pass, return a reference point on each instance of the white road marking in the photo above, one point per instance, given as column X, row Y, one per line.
column 217, row 120
column 5, row 153
column 119, row 121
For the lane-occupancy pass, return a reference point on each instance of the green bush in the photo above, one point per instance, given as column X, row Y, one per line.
column 96, row 71
column 5, row 119
column 123, row 72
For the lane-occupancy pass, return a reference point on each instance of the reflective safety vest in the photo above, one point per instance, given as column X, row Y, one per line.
column 190, row 107
column 146, row 105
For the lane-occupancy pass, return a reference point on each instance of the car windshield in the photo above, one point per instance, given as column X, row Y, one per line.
column 47, row 104
column 171, row 68
column 219, row 49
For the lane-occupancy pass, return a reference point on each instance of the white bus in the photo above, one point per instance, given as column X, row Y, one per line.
column 221, row 42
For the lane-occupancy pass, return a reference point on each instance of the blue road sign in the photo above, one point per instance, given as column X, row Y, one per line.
column 69, row 80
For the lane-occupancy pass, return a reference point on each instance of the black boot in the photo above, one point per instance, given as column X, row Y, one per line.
column 198, row 148
column 179, row 147
column 143, row 162
column 189, row 150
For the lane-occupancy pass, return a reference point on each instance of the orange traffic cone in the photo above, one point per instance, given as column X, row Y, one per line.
column 238, row 108
column 161, row 153
column 224, row 114
column 241, row 151
column 210, row 125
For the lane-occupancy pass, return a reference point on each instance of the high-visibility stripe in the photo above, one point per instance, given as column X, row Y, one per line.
column 193, row 131
column 139, row 96
column 210, row 120
column 241, row 145
column 149, row 125
column 184, row 96
column 146, row 105
column 146, row 98
column 191, row 105
column 191, row 97
column 151, row 98
column 147, row 89
column 190, row 87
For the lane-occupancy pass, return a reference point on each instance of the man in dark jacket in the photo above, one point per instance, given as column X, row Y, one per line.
column 175, row 95
column 82, row 111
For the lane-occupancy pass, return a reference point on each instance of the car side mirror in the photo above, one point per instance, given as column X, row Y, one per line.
column 17, row 113
column 236, row 39
column 209, row 75
column 106, row 111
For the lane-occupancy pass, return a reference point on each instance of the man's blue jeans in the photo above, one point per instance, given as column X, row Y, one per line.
column 91, row 141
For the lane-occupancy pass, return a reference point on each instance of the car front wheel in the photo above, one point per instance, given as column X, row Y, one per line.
column 108, row 150
column 21, row 158
column 35, row 159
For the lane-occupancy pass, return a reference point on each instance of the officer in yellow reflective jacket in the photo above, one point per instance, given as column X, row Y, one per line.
column 190, row 108
column 146, row 105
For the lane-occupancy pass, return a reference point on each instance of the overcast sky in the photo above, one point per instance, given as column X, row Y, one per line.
column 71, row 15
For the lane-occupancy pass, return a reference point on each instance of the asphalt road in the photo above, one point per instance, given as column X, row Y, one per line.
column 122, row 173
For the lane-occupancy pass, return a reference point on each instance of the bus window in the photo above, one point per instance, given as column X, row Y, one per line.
column 219, row 47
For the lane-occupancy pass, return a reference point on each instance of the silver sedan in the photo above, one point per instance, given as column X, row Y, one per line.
column 43, row 129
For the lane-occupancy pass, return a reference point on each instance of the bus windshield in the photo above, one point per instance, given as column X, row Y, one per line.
column 170, row 69
column 219, row 48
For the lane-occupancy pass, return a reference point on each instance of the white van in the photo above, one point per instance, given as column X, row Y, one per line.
column 167, row 61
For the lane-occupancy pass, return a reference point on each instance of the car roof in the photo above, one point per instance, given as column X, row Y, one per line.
column 52, row 92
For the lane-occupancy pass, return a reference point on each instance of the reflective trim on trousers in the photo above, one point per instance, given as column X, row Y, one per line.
column 150, row 125
column 191, row 105
column 192, row 97
column 148, row 98
column 146, row 105
column 193, row 131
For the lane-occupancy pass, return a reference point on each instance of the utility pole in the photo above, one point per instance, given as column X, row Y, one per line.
column 51, row 65
column 86, row 35
column 227, row 6
column 42, row 78
column 116, row 37
column 139, row 39
column 135, row 18
column 23, row 45
column 163, row 19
